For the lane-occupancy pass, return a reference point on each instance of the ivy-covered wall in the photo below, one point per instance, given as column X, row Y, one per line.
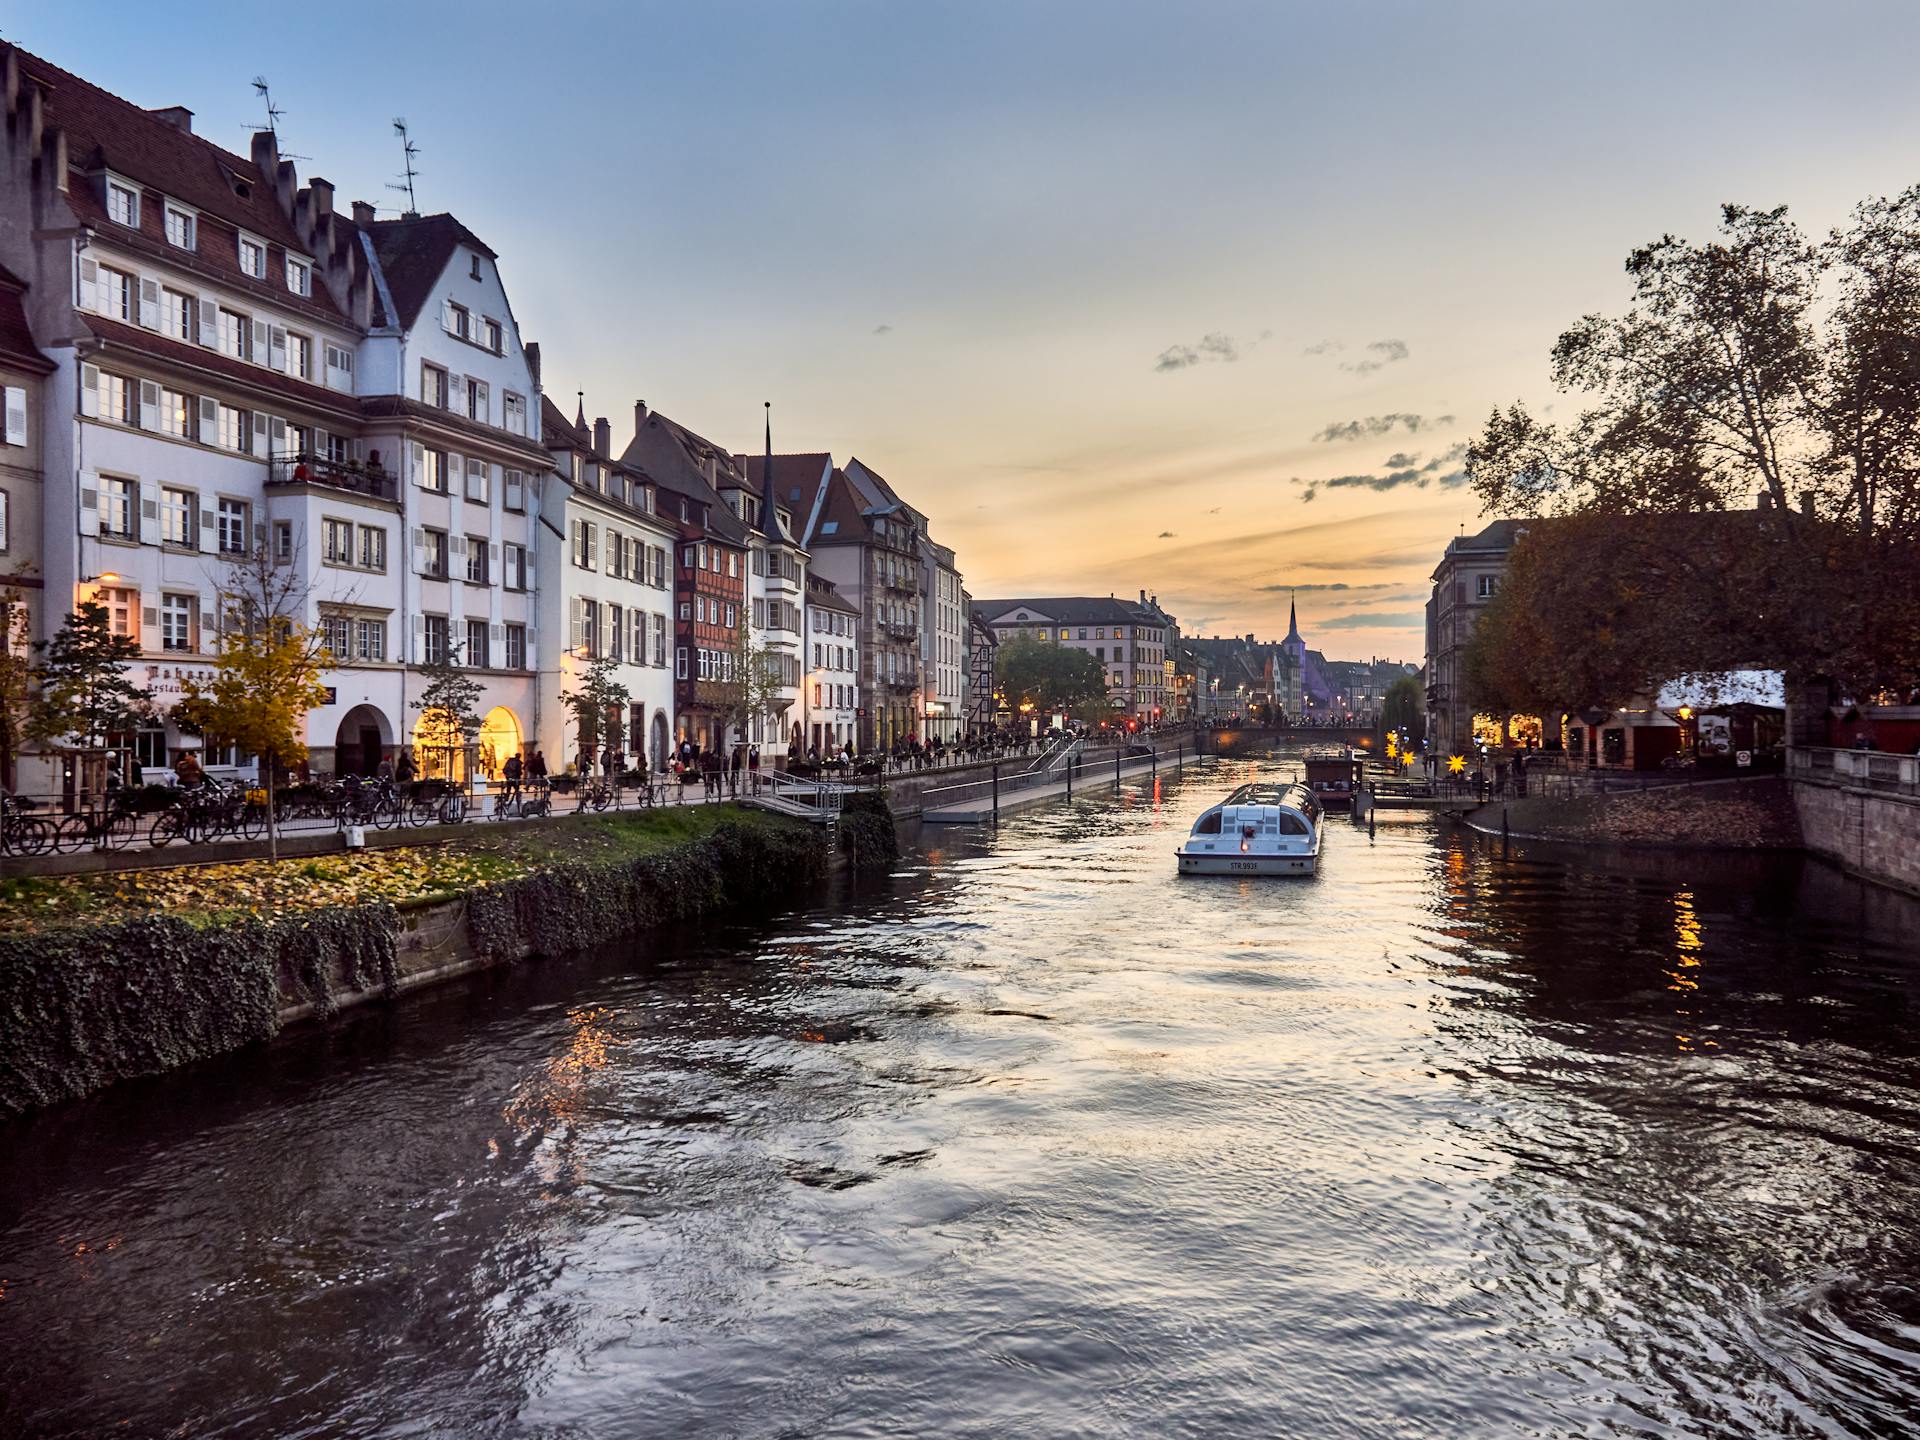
column 866, row 832
column 83, row 1008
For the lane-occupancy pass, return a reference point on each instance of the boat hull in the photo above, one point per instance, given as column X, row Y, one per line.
column 1230, row 863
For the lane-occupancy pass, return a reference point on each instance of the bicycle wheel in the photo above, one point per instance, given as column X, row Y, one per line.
column 253, row 822
column 166, row 828
column 121, row 829
column 197, row 827
column 422, row 812
column 36, row 837
column 601, row 798
column 386, row 815
column 72, row 832
column 454, row 812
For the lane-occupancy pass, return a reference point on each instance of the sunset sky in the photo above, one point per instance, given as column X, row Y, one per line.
column 1201, row 299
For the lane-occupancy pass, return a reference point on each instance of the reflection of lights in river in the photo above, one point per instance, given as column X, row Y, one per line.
column 1689, row 939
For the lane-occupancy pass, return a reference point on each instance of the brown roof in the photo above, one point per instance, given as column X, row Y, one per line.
column 117, row 336
column 105, row 131
column 795, row 477
column 841, row 519
column 827, row 596
column 17, row 346
column 674, row 457
column 414, row 254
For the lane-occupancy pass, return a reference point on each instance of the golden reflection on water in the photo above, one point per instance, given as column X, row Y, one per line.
column 1689, row 939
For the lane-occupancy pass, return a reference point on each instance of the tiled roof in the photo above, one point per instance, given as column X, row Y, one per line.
column 673, row 456
column 106, row 132
column 116, row 336
column 17, row 347
column 413, row 254
column 842, row 518
column 827, row 596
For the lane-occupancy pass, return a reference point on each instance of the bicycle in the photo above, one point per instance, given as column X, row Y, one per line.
column 447, row 808
column 21, row 833
column 596, row 795
column 529, row 802
column 111, row 827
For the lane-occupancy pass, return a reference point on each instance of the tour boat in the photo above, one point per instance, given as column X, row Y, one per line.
column 1334, row 779
column 1257, row 830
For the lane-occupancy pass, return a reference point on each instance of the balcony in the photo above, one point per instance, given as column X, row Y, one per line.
column 307, row 469
column 900, row 629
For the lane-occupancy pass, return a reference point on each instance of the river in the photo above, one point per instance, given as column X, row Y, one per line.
column 1039, row 1139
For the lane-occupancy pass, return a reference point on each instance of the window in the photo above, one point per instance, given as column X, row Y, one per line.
column 370, row 639
column 514, row 412
column 6, row 502
column 123, row 204
column 253, row 257
column 433, row 639
column 616, row 631
column 150, row 748
column 490, row 336
column 338, row 630
column 180, row 227
column 459, row 320
column 339, row 367
column 337, row 542
column 477, row 477
column 514, row 491
column 176, row 414
column 120, row 508
column 433, row 385
column 177, row 520
column 373, row 547
column 476, row 655
column 119, row 295
column 299, row 356
column 1489, row 586
column 660, row 640
column 477, row 408
column 433, row 553
column 282, row 541
column 117, row 399
column 516, row 656
column 299, row 276
column 433, row 470
column 232, row 431
column 176, row 316
column 589, row 627
column 515, row 558
column 123, row 612
column 232, row 520
column 473, row 266
column 235, row 334
column 477, row 559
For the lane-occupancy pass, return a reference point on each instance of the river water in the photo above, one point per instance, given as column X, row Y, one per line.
column 1040, row 1139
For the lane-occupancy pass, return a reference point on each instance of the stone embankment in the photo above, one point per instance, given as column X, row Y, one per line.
column 1753, row 814
column 107, row 977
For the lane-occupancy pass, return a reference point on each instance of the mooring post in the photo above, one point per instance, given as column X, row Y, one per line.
column 1069, row 777
column 1116, row 767
column 996, row 792
column 1373, row 804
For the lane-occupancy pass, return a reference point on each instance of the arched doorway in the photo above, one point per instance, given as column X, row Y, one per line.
column 662, row 742
column 363, row 739
column 499, row 738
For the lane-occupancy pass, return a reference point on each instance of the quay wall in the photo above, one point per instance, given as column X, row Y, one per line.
column 1869, row 833
column 83, row 1007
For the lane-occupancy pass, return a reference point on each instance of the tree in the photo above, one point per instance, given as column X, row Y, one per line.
column 449, row 708
column 1758, row 369
column 1405, row 708
column 1051, row 678
column 16, row 678
column 84, row 695
column 266, row 673
column 596, row 697
column 750, row 687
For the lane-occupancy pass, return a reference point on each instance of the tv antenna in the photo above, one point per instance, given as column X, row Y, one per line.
column 408, row 151
column 274, row 112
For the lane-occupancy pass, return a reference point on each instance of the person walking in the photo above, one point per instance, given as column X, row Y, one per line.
column 510, row 772
column 537, row 766
column 738, row 764
column 753, row 768
column 403, row 772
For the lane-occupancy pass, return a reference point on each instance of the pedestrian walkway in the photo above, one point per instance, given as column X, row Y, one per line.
column 1092, row 774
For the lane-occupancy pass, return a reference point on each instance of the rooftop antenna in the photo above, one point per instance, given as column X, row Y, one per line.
column 408, row 151
column 274, row 112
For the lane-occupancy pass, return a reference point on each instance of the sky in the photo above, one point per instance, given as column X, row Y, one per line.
column 1198, row 299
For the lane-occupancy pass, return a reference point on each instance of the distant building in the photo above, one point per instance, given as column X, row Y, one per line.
column 1468, row 576
column 1129, row 640
column 982, row 705
column 830, row 695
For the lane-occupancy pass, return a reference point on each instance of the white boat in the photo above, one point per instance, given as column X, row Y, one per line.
column 1257, row 830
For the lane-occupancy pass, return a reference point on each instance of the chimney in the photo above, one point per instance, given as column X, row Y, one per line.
column 532, row 351
column 362, row 213
column 266, row 154
column 322, row 196
column 639, row 415
column 602, row 437
column 178, row 116
column 1143, row 597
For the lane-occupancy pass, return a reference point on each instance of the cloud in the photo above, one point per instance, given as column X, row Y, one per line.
column 1394, row 620
column 1324, row 347
column 1214, row 345
column 1374, row 425
column 1321, row 587
column 883, row 329
column 1166, row 535
column 1401, row 470
column 1380, row 354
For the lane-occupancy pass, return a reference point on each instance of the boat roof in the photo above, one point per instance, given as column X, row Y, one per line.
column 1293, row 795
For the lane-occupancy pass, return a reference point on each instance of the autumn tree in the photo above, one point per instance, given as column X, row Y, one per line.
column 749, row 687
column 1051, row 678
column 16, row 678
column 449, row 708
column 1758, row 372
column 266, row 673
column 83, row 695
column 595, row 699
column 1405, row 708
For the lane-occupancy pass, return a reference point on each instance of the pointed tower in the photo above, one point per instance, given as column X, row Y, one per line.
column 769, row 503
column 580, row 415
column 1293, row 619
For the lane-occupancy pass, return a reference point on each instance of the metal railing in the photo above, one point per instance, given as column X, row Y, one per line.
column 1864, row 769
column 810, row 799
column 306, row 469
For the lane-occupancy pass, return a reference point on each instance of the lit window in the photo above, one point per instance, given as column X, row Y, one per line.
column 123, row 612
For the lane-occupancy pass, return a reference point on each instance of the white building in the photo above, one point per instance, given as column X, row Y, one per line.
column 943, row 640
column 605, row 560
column 831, row 694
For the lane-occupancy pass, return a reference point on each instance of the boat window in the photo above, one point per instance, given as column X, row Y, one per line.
column 1292, row 824
column 1209, row 824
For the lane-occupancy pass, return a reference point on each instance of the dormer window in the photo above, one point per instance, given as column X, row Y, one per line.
column 123, row 204
column 473, row 266
column 299, row 276
column 253, row 257
column 181, row 227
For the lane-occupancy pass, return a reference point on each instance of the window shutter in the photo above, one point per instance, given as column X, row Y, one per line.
column 527, row 583
column 493, row 561
column 419, row 555
column 457, row 544
column 149, row 617
column 208, row 524
column 419, row 454
column 457, row 393
column 514, row 500
column 149, row 509
column 479, row 389
column 150, row 303
column 446, row 317
column 89, row 285
column 89, row 390
column 277, row 347
column 593, row 545
column 259, row 435
column 209, row 420
column 320, row 444
column 16, row 415
column 419, row 649
column 149, row 405
column 89, row 502
column 577, row 611
column 277, row 436
column 209, row 322
column 499, row 634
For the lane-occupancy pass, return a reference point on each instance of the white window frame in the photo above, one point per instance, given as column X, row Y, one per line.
column 191, row 226
column 132, row 191
column 241, row 241
column 297, row 266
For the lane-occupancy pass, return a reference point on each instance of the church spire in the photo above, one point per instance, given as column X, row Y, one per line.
column 1293, row 619
column 580, row 415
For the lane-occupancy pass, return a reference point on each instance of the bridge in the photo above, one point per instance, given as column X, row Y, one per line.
column 1253, row 739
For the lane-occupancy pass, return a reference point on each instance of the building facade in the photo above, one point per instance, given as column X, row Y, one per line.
column 23, row 384
column 1467, row 577
column 1128, row 639
column 831, row 694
